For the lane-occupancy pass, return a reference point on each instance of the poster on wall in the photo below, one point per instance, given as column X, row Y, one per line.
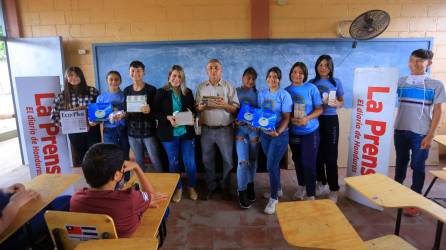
column 46, row 147
column 371, row 131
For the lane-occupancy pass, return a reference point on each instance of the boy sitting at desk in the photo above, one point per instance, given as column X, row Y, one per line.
column 104, row 166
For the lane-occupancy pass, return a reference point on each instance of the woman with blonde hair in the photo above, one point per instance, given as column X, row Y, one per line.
column 175, row 97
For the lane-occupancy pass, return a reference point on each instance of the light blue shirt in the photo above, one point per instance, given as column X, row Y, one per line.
column 278, row 102
column 308, row 95
column 325, row 86
column 247, row 96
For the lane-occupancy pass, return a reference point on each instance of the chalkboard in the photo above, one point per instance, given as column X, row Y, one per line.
column 236, row 55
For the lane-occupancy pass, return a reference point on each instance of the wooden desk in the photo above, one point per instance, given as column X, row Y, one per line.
column 385, row 192
column 118, row 244
column 317, row 224
column 151, row 220
column 440, row 139
column 49, row 186
column 437, row 174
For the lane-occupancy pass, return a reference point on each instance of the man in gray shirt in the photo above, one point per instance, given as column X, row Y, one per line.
column 217, row 102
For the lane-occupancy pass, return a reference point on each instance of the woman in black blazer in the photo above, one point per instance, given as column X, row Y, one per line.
column 171, row 98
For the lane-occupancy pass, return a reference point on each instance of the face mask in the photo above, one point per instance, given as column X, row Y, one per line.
column 416, row 79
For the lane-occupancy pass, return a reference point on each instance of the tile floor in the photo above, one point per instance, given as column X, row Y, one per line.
column 219, row 224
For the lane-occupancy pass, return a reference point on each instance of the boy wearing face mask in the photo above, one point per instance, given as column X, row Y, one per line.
column 103, row 167
column 420, row 98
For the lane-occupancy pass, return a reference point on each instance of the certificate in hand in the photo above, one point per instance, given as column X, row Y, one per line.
column 184, row 118
column 211, row 101
column 135, row 103
column 73, row 121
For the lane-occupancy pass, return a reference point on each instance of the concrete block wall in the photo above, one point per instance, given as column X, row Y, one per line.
column 83, row 22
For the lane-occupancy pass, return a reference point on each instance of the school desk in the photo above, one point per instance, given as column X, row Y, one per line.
column 153, row 217
column 385, row 192
column 317, row 224
column 440, row 139
column 321, row 224
column 119, row 244
column 49, row 186
column 437, row 174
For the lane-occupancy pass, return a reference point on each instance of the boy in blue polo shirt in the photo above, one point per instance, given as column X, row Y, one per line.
column 420, row 98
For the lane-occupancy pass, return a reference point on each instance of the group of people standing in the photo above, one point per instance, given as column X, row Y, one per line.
column 315, row 130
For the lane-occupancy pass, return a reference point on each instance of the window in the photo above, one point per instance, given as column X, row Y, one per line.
column 2, row 23
column 9, row 142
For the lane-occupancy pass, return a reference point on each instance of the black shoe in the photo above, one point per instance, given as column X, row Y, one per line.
column 208, row 194
column 251, row 195
column 243, row 200
column 226, row 194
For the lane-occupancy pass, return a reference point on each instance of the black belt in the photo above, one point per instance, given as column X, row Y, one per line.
column 215, row 127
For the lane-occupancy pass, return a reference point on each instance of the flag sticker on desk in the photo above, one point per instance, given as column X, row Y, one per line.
column 81, row 232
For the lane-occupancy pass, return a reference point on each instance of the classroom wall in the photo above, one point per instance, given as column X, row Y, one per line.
column 83, row 22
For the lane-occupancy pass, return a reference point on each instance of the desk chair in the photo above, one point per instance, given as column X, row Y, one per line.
column 68, row 229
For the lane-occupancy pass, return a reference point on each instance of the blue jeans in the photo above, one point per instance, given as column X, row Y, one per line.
column 304, row 149
column 274, row 148
column 406, row 142
column 151, row 144
column 118, row 136
column 187, row 148
column 247, row 147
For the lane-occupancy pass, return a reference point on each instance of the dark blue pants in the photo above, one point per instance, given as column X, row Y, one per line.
column 304, row 149
column 118, row 135
column 327, row 155
column 407, row 147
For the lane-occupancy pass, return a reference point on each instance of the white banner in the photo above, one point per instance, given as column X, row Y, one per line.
column 374, row 98
column 46, row 147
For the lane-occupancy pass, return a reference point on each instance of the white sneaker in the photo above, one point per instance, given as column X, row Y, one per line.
column 310, row 198
column 322, row 189
column 271, row 206
column 267, row 195
column 300, row 193
column 333, row 196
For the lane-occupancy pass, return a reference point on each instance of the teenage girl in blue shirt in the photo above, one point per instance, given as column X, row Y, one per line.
column 304, row 129
column 275, row 143
column 115, row 132
column 327, row 166
column 247, row 142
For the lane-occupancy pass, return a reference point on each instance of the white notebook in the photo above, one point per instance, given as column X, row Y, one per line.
column 184, row 118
